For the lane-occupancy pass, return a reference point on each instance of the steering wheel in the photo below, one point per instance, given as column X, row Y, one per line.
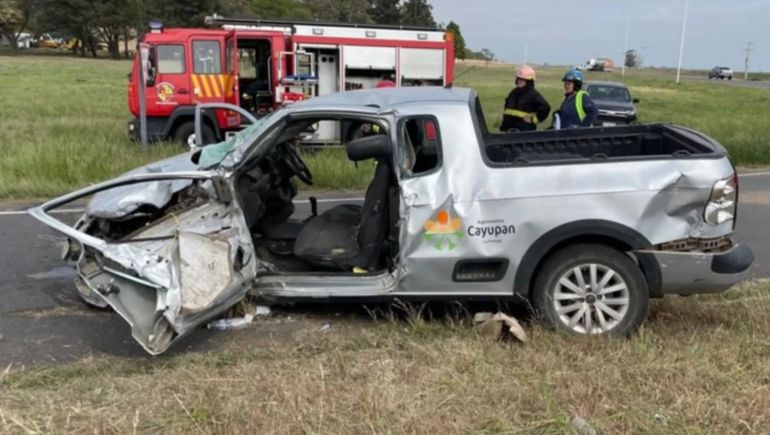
column 294, row 161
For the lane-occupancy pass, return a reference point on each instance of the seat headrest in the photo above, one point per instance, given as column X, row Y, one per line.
column 369, row 147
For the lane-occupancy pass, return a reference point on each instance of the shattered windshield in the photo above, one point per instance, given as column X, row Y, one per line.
column 214, row 154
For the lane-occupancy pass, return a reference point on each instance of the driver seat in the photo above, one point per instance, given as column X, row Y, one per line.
column 349, row 235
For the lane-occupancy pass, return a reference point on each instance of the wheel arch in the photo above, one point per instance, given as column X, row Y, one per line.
column 184, row 114
column 598, row 231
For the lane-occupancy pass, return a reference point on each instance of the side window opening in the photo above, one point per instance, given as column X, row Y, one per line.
column 170, row 59
column 207, row 57
column 422, row 143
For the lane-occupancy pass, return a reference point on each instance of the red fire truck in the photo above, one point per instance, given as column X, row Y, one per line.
column 261, row 65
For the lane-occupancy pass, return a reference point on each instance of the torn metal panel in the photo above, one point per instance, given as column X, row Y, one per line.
column 141, row 277
column 123, row 200
column 206, row 270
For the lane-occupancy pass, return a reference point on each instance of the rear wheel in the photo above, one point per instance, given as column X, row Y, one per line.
column 591, row 289
column 185, row 134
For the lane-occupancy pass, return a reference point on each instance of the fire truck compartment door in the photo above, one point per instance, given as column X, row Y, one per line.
column 378, row 58
column 422, row 63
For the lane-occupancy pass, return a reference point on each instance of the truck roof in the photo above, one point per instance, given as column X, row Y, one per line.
column 386, row 98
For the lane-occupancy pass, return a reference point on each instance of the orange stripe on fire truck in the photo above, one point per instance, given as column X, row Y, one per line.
column 213, row 85
column 205, row 84
column 196, row 85
column 214, row 81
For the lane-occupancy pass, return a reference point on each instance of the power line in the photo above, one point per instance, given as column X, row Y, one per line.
column 748, row 51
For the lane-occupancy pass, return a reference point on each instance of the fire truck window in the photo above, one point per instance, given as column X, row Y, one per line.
column 171, row 59
column 207, row 57
column 247, row 63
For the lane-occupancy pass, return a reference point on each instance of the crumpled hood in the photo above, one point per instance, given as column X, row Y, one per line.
column 123, row 200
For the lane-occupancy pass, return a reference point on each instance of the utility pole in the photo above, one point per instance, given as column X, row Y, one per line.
column 625, row 45
column 748, row 51
column 681, row 44
column 526, row 52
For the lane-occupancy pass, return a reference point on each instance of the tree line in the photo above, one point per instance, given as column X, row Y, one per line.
column 113, row 23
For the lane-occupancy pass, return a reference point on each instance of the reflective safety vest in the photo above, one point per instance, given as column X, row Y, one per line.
column 579, row 105
column 521, row 114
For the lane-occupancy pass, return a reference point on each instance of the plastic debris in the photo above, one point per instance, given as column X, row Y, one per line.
column 582, row 427
column 661, row 419
column 262, row 310
column 234, row 323
column 491, row 325
column 326, row 327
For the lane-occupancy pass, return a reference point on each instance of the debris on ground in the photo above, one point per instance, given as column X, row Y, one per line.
column 240, row 322
column 491, row 325
column 326, row 327
column 661, row 419
column 582, row 427
column 232, row 323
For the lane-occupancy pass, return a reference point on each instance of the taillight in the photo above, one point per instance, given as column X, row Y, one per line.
column 723, row 202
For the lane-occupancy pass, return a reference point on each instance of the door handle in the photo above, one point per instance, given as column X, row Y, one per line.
column 183, row 91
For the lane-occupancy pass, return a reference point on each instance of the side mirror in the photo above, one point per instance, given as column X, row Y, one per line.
column 635, row 100
column 369, row 147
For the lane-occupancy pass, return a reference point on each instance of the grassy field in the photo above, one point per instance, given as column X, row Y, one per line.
column 64, row 120
column 64, row 125
column 699, row 365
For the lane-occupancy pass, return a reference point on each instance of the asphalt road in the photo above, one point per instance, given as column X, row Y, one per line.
column 43, row 321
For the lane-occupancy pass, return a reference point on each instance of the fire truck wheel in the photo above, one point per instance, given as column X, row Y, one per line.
column 185, row 134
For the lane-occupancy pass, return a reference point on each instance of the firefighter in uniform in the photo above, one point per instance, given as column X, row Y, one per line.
column 577, row 109
column 524, row 107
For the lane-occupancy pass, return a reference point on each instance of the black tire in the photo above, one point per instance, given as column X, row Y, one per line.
column 564, row 263
column 185, row 134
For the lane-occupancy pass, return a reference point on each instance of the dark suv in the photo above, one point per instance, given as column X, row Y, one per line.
column 614, row 102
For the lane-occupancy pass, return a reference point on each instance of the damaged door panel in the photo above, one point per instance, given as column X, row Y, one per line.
column 164, row 271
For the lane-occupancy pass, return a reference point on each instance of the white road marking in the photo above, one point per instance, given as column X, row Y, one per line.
column 753, row 174
column 62, row 211
column 81, row 210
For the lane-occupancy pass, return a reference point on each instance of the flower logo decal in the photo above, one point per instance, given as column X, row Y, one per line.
column 165, row 91
column 444, row 232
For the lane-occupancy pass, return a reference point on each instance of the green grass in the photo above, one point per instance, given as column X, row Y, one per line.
column 63, row 121
column 64, row 125
column 331, row 169
column 699, row 365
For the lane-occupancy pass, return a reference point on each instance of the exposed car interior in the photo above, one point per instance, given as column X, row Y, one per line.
column 346, row 238
column 356, row 237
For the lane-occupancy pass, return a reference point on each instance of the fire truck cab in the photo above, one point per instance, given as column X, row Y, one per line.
column 262, row 65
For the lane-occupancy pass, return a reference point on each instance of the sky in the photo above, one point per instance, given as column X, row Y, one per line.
column 562, row 32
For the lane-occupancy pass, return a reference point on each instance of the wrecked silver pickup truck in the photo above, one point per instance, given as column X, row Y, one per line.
column 587, row 224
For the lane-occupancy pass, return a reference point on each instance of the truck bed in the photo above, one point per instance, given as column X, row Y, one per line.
column 656, row 141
